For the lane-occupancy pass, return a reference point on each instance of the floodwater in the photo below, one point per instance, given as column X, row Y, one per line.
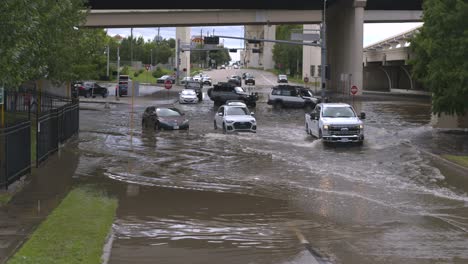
column 205, row 197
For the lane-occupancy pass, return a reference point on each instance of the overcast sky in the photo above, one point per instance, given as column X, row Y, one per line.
column 373, row 32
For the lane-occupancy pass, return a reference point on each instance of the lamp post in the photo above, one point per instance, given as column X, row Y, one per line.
column 323, row 49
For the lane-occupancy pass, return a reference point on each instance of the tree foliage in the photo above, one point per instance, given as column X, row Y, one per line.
column 441, row 52
column 200, row 56
column 42, row 39
column 287, row 56
column 143, row 50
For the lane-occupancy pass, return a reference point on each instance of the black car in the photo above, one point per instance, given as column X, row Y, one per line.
column 236, row 80
column 249, row 80
column 163, row 79
column 222, row 92
column 88, row 89
column 164, row 118
column 194, row 85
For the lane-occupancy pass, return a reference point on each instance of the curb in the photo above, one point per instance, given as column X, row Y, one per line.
column 439, row 158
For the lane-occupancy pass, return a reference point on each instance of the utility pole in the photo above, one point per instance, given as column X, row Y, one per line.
column 131, row 47
column 107, row 61
column 178, row 62
column 117, row 91
column 324, row 49
column 151, row 51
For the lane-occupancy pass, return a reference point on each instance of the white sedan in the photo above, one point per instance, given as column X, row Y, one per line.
column 188, row 96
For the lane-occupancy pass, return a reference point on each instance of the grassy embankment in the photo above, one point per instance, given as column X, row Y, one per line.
column 75, row 232
column 4, row 198
column 461, row 160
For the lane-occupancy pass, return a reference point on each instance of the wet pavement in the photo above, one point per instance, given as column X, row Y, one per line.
column 200, row 196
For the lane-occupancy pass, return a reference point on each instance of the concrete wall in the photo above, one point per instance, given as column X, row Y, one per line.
column 311, row 56
column 264, row 59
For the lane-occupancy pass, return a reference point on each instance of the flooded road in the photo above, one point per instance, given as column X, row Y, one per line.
column 200, row 196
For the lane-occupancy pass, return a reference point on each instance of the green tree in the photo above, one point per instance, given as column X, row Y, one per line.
column 287, row 56
column 42, row 39
column 441, row 54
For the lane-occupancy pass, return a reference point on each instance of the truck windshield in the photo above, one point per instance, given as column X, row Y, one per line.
column 344, row 111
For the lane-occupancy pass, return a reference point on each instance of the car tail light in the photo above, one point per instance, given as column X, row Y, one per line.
column 81, row 88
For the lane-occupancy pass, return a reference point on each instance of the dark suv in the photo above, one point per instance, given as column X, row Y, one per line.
column 292, row 96
column 223, row 92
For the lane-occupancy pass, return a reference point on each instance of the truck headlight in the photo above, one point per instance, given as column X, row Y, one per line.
column 325, row 126
column 361, row 126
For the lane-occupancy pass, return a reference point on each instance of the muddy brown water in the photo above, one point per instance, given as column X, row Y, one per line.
column 200, row 196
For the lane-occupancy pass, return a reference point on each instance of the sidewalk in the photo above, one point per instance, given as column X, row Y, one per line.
column 42, row 192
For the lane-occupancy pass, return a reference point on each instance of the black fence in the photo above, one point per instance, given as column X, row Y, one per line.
column 57, row 121
column 15, row 150
column 33, row 122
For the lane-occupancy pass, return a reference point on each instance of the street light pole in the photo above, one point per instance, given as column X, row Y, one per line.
column 323, row 49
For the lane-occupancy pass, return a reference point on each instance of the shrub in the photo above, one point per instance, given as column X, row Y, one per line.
column 135, row 74
column 141, row 71
column 125, row 70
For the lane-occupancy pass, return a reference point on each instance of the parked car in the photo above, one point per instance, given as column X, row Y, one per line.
column 282, row 78
column 292, row 96
column 163, row 79
column 244, row 75
column 235, row 116
column 197, row 87
column 223, row 66
column 164, row 118
column 188, row 96
column 235, row 66
column 88, row 89
column 249, row 79
column 222, row 92
column 335, row 122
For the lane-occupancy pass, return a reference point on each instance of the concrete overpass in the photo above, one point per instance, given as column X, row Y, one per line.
column 345, row 19
column 386, row 64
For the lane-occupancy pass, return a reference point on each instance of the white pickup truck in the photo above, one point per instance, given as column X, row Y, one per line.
column 335, row 122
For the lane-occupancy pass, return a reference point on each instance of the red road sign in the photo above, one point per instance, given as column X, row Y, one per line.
column 147, row 67
column 167, row 84
column 306, row 79
column 354, row 90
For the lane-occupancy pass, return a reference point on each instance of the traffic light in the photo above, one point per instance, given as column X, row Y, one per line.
column 255, row 50
column 211, row 40
column 232, row 50
column 250, row 41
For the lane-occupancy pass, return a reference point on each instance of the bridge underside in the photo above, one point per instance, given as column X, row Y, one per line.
column 180, row 18
column 391, row 75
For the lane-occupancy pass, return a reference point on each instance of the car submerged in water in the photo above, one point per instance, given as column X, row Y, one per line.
column 164, row 118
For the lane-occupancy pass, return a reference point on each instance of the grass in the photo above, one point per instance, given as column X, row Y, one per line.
column 145, row 77
column 4, row 198
column 75, row 232
column 461, row 160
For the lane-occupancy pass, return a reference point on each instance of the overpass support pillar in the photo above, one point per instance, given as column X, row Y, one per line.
column 345, row 32
column 183, row 33
column 269, row 33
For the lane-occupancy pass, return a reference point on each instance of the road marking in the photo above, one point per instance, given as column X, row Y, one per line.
column 264, row 77
column 319, row 259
